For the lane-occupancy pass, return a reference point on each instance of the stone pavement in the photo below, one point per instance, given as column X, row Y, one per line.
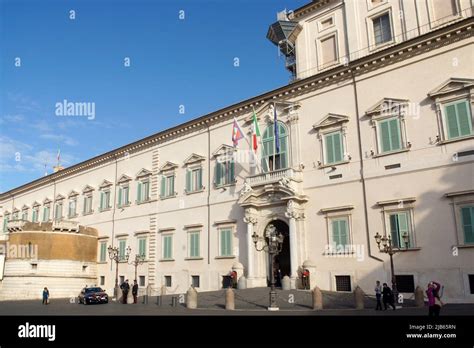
column 247, row 302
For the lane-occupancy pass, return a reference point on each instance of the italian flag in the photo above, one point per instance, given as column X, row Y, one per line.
column 255, row 132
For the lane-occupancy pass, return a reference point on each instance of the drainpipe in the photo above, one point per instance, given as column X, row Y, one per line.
column 362, row 175
column 208, row 194
column 417, row 17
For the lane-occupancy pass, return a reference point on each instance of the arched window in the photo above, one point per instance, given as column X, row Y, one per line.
column 271, row 158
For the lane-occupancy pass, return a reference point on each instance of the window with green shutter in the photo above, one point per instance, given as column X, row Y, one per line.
column 467, row 221
column 400, row 226
column 194, row 248
column 35, row 214
column 5, row 223
column 334, row 148
column 226, row 242
column 390, row 135
column 458, row 119
column 139, row 192
column 122, row 246
column 45, row 213
column 340, row 231
column 225, row 173
column 142, row 247
column 271, row 158
column 103, row 251
column 167, row 246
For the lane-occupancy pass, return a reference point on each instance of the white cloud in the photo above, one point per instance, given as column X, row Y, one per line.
column 59, row 138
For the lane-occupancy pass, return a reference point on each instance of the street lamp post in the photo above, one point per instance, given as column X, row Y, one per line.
column 114, row 254
column 139, row 259
column 273, row 247
column 388, row 248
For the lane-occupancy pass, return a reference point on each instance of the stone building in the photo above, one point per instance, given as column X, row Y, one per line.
column 374, row 134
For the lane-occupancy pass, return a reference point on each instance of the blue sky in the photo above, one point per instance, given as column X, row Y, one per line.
column 173, row 62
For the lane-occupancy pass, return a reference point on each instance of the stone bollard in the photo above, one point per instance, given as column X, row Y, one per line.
column 419, row 297
column 317, row 299
column 359, row 298
column 286, row 283
column 242, row 283
column 229, row 300
column 191, row 298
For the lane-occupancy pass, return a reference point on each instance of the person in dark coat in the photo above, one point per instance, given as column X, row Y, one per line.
column 45, row 295
column 125, row 288
column 387, row 296
column 378, row 295
column 135, row 291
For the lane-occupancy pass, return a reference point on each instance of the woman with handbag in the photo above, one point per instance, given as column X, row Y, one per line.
column 434, row 300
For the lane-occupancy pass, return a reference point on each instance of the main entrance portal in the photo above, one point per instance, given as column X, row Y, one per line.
column 282, row 265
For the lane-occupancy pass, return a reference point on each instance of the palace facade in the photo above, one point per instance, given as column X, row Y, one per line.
column 374, row 135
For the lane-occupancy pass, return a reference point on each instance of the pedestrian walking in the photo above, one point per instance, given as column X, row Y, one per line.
column 135, row 291
column 378, row 295
column 387, row 297
column 305, row 276
column 125, row 288
column 45, row 296
column 434, row 299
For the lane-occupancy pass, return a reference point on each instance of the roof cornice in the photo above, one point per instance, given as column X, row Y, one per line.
column 422, row 43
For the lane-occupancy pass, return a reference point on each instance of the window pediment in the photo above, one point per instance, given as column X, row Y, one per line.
column 143, row 173
column 46, row 201
column 87, row 189
column 72, row 194
column 450, row 86
column 194, row 158
column 168, row 166
column 25, row 207
column 223, row 150
column 36, row 204
column 59, row 197
column 123, row 179
column 15, row 210
column 105, row 184
column 330, row 120
column 387, row 107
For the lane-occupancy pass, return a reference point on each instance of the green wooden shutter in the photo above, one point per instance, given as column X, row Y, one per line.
column 120, row 197
column 403, row 227
column 219, row 170
column 101, row 200
column 199, row 174
column 146, row 190
column 142, row 247
column 168, row 244
column 189, row 174
column 122, row 249
column 163, row 186
column 385, row 136
column 139, row 191
column 126, row 193
column 232, row 172
column 103, row 249
column 394, row 230
column 172, row 185
column 337, row 141
column 395, row 138
column 343, row 232
column 329, row 149
column 335, row 232
column 451, row 121
column 464, row 118
column 467, row 215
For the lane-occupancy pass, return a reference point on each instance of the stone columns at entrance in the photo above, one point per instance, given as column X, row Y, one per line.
column 250, row 219
column 293, row 213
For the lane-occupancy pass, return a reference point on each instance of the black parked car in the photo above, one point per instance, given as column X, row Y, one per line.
column 93, row 295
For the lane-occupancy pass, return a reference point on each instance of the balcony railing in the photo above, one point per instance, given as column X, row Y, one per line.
column 65, row 225
column 270, row 177
column 16, row 225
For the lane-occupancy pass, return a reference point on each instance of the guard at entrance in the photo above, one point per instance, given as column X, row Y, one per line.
column 305, row 279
